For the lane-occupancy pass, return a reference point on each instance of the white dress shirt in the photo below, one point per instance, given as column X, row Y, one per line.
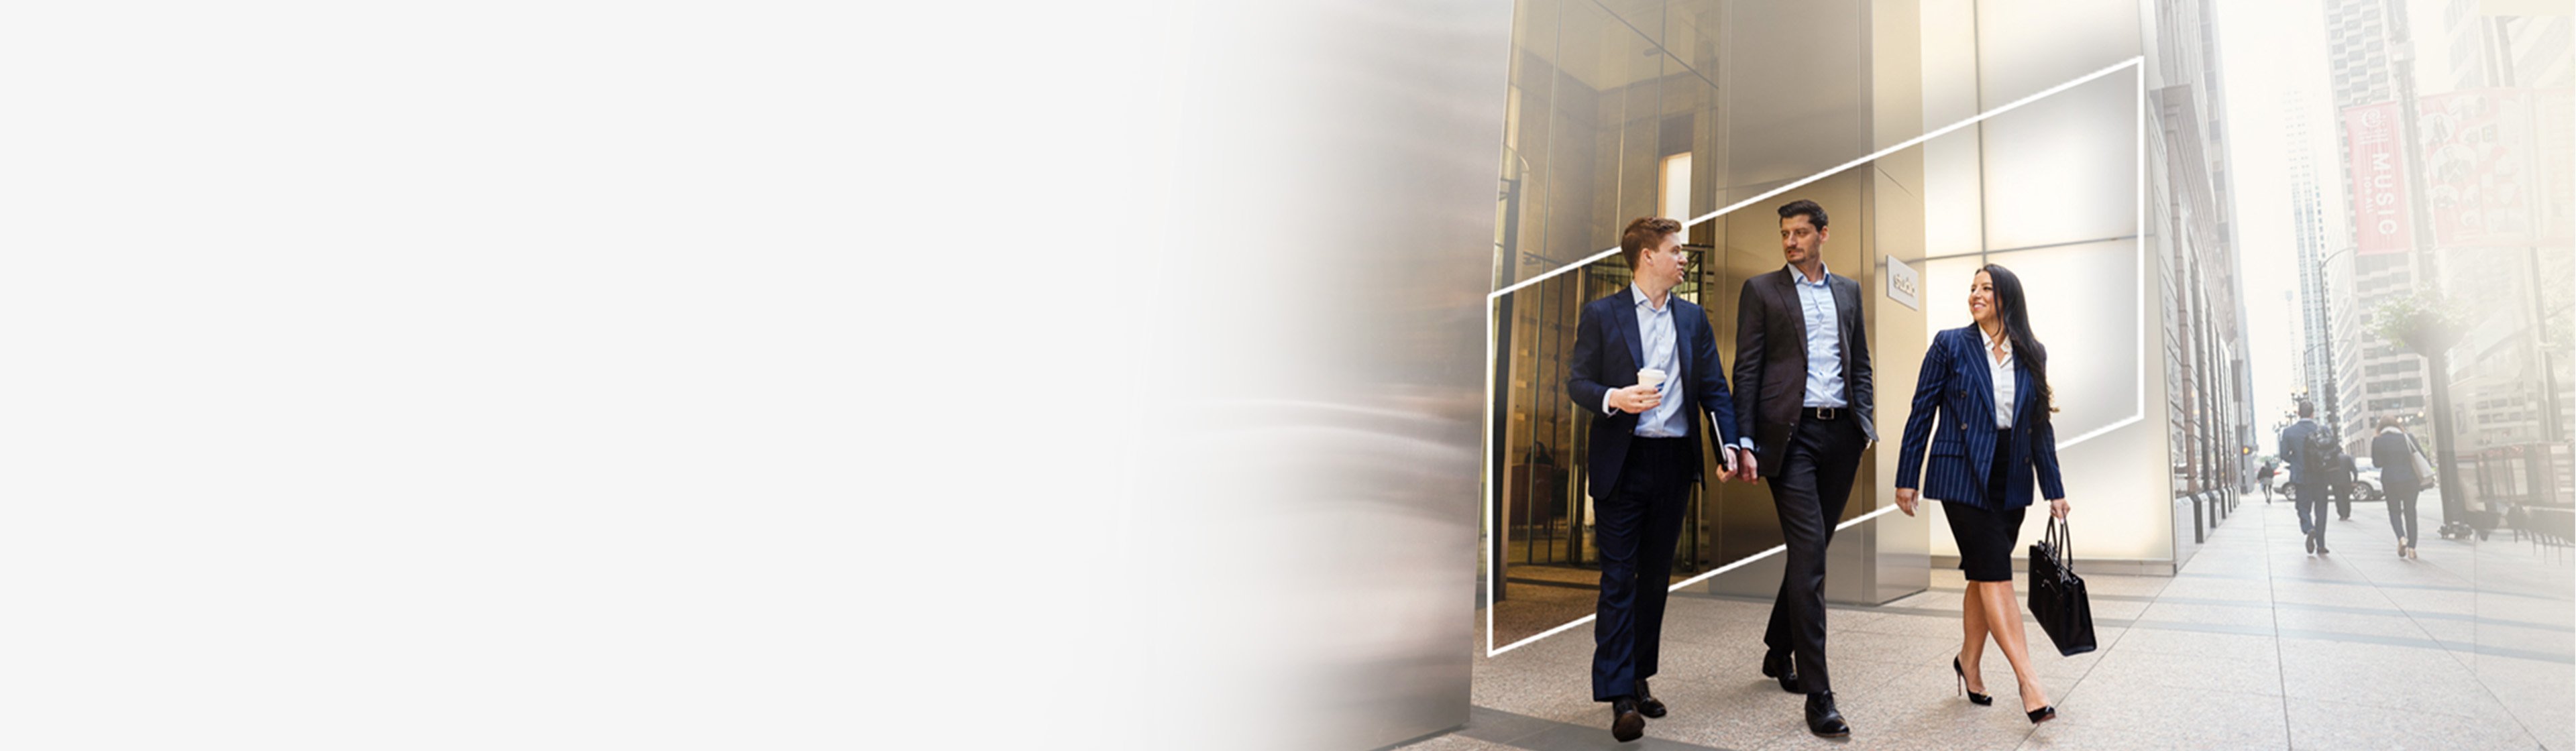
column 2000, row 371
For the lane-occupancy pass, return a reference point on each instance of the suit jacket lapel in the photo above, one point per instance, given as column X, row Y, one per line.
column 1846, row 307
column 1681, row 352
column 1980, row 378
column 1626, row 320
column 1846, row 321
column 1786, row 292
column 2021, row 392
column 1787, row 289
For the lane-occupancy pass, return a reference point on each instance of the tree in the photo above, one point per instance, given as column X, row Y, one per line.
column 2424, row 322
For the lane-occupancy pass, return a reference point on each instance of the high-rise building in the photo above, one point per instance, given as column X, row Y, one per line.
column 2500, row 50
column 2235, row 378
column 2364, row 68
column 2357, row 51
column 2329, row 368
column 2204, row 318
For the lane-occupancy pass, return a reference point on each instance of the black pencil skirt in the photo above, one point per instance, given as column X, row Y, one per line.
column 1986, row 536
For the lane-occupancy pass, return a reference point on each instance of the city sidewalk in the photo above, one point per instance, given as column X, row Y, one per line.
column 2255, row 645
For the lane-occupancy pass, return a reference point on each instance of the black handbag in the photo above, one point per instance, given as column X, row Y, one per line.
column 2057, row 598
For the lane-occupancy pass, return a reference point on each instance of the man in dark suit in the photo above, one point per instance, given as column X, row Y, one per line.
column 2308, row 475
column 1803, row 409
column 1645, row 454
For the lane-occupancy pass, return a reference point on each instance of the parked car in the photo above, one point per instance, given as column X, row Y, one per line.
column 2365, row 481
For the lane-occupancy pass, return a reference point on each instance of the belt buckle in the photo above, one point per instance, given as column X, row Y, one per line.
column 1824, row 413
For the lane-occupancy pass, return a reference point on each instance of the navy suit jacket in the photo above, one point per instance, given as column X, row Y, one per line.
column 2293, row 448
column 1607, row 347
column 1956, row 383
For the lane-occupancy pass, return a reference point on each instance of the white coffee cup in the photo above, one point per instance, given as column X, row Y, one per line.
column 1650, row 377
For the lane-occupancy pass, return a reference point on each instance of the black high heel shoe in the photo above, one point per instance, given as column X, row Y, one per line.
column 1973, row 697
column 2043, row 714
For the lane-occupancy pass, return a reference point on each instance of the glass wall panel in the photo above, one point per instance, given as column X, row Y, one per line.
column 2085, row 307
column 2064, row 169
column 1797, row 101
column 2026, row 46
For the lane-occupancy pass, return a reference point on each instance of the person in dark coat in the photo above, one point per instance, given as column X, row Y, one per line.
column 2394, row 451
column 2307, row 481
column 1645, row 454
column 1804, row 400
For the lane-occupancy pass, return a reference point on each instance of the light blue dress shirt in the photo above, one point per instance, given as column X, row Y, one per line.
column 1824, row 339
column 1662, row 352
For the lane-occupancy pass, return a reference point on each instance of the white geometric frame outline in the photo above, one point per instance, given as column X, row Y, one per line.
column 1486, row 510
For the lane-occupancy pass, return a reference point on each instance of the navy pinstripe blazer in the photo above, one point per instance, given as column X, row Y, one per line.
column 1955, row 382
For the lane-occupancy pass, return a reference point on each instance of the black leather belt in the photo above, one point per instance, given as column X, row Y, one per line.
column 1822, row 413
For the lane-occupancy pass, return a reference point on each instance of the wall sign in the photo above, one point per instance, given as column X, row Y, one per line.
column 1902, row 284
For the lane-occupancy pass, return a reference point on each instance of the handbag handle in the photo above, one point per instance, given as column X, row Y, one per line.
column 2059, row 535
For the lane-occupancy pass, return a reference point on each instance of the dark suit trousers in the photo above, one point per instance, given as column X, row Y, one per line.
column 1635, row 529
column 2310, row 498
column 1809, row 489
column 2401, row 510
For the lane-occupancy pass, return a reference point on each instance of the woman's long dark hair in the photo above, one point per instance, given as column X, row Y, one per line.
column 2015, row 314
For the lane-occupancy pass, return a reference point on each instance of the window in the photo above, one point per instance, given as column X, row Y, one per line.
column 1676, row 187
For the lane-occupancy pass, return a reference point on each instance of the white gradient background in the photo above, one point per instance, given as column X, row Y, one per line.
column 743, row 375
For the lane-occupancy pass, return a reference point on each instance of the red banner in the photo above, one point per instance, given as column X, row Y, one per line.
column 2379, row 211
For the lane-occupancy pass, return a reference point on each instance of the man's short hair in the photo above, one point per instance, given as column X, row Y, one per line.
column 2307, row 409
column 1815, row 214
column 2390, row 421
column 1644, row 231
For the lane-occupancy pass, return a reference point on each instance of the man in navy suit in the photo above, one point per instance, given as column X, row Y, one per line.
column 1803, row 397
column 2307, row 476
column 1645, row 454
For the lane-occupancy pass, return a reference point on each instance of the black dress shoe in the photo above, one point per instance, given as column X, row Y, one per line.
column 1625, row 723
column 1778, row 665
column 1823, row 719
column 1647, row 704
column 2042, row 714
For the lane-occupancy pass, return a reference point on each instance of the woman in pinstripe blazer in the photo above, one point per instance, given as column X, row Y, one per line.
column 1990, row 382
